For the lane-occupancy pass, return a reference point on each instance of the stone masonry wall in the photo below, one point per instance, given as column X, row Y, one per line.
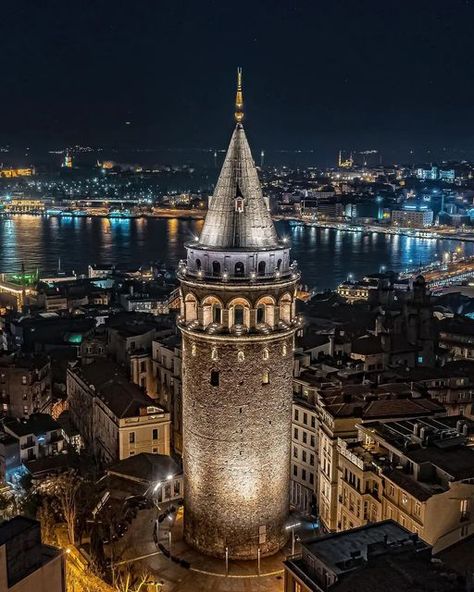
column 237, row 439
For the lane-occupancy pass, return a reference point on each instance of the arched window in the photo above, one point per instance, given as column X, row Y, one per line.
column 238, row 315
column 266, row 377
column 261, row 314
column 285, row 308
column 214, row 378
column 216, row 314
column 190, row 308
column 198, row 264
column 261, row 268
column 239, row 269
column 216, row 268
column 279, row 265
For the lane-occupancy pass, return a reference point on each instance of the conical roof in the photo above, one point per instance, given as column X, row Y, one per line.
column 238, row 216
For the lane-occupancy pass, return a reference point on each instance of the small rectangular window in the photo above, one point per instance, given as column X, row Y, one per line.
column 131, row 437
column 214, row 378
column 266, row 377
column 295, row 433
column 295, row 470
column 155, row 434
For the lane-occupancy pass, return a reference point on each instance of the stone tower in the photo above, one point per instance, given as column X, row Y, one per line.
column 238, row 322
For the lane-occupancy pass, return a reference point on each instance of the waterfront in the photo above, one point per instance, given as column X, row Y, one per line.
column 326, row 257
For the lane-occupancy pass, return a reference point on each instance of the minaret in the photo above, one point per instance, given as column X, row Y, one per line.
column 237, row 322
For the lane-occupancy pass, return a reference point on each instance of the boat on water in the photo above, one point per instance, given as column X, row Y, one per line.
column 122, row 214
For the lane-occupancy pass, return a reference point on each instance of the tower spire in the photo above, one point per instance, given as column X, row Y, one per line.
column 239, row 98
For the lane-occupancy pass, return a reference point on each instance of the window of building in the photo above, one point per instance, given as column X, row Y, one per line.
column 297, row 415
column 295, row 433
column 238, row 315
column 198, row 264
column 303, row 474
column 464, row 510
column 261, row 314
column 313, row 441
column 295, row 470
column 266, row 377
column 216, row 314
column 311, row 460
column 155, row 450
column 305, row 418
column 155, row 434
column 305, row 437
column 216, row 268
column 311, row 478
column 131, row 437
column 303, row 456
column 143, row 366
column 313, row 421
column 295, row 452
column 239, row 269
column 261, row 268
column 417, row 509
column 177, row 487
column 214, row 378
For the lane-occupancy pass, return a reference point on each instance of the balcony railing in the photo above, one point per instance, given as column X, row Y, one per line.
column 292, row 273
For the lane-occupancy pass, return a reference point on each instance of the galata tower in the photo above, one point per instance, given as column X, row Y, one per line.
column 238, row 322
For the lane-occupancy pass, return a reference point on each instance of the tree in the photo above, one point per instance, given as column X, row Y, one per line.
column 46, row 517
column 128, row 579
column 64, row 490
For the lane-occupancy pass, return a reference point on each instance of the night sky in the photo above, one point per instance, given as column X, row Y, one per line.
column 318, row 75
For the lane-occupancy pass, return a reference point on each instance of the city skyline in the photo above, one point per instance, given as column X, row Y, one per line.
column 320, row 77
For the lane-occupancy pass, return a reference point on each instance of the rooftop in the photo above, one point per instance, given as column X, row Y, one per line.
column 337, row 550
column 238, row 217
column 146, row 468
column 122, row 397
column 37, row 424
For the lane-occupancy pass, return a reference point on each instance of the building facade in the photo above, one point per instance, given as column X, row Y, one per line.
column 114, row 417
column 237, row 323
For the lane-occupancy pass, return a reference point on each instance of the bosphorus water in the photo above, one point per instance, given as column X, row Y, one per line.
column 326, row 257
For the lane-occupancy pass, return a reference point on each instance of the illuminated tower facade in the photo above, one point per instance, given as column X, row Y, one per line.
column 237, row 321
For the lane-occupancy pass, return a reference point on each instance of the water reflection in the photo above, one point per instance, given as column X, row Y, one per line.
column 325, row 256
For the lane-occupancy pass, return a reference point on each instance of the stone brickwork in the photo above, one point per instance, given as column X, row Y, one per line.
column 237, row 438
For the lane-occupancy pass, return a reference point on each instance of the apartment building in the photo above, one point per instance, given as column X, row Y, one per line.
column 114, row 417
column 304, row 457
column 418, row 472
column 375, row 557
column 340, row 410
column 25, row 563
column 25, row 384
column 166, row 363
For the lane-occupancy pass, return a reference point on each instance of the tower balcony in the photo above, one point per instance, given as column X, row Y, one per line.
column 236, row 276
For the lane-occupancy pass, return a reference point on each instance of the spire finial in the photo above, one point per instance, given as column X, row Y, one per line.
column 239, row 98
